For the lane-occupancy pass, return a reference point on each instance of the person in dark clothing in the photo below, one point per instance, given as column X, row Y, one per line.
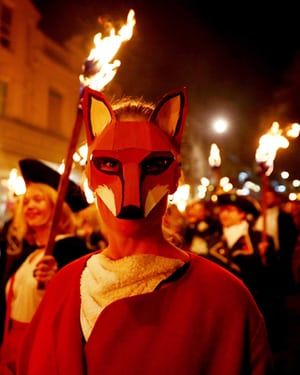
column 200, row 225
column 236, row 246
column 281, row 227
column 242, row 250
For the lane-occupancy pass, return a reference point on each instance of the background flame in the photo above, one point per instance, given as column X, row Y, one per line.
column 269, row 144
column 214, row 159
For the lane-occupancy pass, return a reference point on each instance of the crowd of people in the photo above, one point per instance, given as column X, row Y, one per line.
column 229, row 232
column 134, row 285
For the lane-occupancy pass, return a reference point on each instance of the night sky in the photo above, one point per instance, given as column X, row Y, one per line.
column 240, row 61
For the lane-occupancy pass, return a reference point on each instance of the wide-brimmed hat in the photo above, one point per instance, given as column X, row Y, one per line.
column 34, row 170
column 245, row 203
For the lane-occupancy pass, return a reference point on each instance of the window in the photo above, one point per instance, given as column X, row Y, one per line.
column 54, row 111
column 3, row 97
column 5, row 25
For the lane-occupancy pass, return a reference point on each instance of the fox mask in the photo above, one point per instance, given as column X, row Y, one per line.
column 133, row 163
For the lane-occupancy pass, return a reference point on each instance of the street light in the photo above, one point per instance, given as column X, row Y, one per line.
column 220, row 125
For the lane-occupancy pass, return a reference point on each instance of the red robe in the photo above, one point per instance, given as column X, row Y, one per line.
column 203, row 322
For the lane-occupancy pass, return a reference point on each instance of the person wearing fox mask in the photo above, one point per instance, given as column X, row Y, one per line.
column 142, row 306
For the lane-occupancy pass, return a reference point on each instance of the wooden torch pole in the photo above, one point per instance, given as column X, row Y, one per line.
column 64, row 180
column 263, row 203
column 63, row 185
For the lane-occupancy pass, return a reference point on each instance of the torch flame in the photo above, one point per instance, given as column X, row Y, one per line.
column 16, row 183
column 89, row 195
column 180, row 197
column 269, row 144
column 214, row 159
column 98, row 68
column 293, row 130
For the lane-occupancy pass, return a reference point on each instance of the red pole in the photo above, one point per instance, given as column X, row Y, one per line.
column 63, row 184
column 263, row 203
column 64, row 180
column 264, row 187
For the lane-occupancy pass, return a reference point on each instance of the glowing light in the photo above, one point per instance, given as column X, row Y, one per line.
column 61, row 168
column 293, row 130
column 292, row 196
column 284, row 175
column 280, row 188
column 227, row 187
column 80, row 156
column 83, row 151
column 251, row 186
column 205, row 181
column 269, row 144
column 201, row 191
column 214, row 198
column 88, row 192
column 16, row 183
column 224, row 181
column 220, row 125
column 296, row 183
column 214, row 159
column 99, row 69
column 243, row 176
column 76, row 157
column 243, row 191
column 180, row 197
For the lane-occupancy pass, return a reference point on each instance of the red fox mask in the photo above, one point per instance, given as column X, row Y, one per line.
column 133, row 160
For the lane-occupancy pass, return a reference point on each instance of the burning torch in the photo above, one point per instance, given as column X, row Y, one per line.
column 214, row 161
column 97, row 71
column 269, row 144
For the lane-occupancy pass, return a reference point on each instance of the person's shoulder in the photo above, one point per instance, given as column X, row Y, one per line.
column 216, row 278
column 70, row 272
column 220, row 290
column 209, row 269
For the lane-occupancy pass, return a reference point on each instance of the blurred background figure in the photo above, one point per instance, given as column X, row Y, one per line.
column 173, row 225
column 90, row 228
column 24, row 251
column 295, row 212
column 242, row 249
column 236, row 246
column 282, row 228
column 200, row 225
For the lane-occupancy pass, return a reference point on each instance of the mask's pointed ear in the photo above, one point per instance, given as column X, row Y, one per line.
column 97, row 113
column 170, row 114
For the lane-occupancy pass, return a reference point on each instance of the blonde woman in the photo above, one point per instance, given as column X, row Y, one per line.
column 28, row 233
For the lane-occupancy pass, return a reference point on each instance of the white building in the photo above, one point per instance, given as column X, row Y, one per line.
column 39, row 88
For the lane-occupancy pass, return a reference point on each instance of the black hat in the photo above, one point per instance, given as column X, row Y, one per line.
column 34, row 170
column 245, row 203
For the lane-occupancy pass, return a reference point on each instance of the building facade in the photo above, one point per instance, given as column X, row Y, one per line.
column 39, row 88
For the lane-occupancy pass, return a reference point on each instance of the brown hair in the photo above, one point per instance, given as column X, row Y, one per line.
column 129, row 106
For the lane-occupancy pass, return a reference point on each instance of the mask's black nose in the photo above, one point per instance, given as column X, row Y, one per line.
column 131, row 213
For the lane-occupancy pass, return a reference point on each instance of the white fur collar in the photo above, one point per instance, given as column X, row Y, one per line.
column 104, row 281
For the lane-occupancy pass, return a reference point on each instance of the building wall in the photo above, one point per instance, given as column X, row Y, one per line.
column 31, row 67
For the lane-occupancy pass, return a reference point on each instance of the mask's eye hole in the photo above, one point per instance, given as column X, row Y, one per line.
column 107, row 165
column 156, row 165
